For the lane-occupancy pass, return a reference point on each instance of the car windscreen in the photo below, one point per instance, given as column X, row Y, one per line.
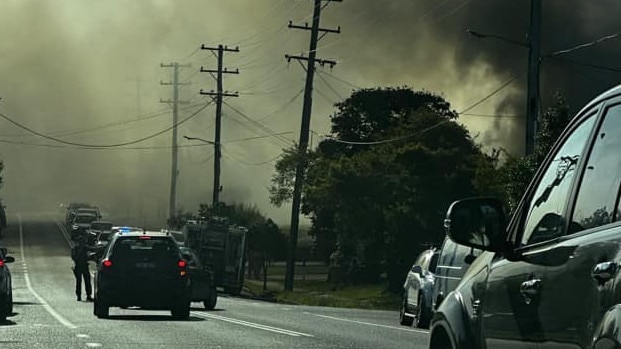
column 145, row 248
column 84, row 218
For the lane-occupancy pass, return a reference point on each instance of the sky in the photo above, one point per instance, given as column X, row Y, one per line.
column 89, row 73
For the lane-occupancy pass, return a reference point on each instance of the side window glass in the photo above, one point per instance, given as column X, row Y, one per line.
column 547, row 206
column 599, row 191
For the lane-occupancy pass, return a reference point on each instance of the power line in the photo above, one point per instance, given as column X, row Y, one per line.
column 585, row 45
column 265, row 128
column 101, row 145
column 490, row 95
column 230, row 154
column 339, row 79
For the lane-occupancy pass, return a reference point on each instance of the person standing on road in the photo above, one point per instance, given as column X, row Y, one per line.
column 79, row 254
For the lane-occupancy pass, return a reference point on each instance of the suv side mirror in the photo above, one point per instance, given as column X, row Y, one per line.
column 478, row 223
column 9, row 259
column 417, row 269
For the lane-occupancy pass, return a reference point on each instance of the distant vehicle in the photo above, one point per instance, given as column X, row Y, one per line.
column 92, row 209
column 96, row 228
column 220, row 246
column 453, row 263
column 418, row 290
column 144, row 269
column 6, row 285
column 81, row 223
column 203, row 286
column 72, row 207
column 101, row 242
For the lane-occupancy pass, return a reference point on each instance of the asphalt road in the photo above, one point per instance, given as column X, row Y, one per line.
column 47, row 315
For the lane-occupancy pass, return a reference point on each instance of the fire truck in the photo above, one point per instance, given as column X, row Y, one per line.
column 221, row 247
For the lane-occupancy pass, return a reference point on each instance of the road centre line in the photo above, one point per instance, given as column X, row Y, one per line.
column 368, row 323
column 253, row 325
column 46, row 306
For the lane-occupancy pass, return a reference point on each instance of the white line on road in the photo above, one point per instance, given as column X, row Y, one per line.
column 93, row 345
column 367, row 323
column 82, row 335
column 46, row 306
column 254, row 325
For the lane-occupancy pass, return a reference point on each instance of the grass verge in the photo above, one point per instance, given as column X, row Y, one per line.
column 322, row 293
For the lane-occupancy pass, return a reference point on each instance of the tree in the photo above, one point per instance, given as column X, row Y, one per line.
column 388, row 195
column 517, row 172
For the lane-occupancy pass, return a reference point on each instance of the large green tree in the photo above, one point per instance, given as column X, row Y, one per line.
column 384, row 179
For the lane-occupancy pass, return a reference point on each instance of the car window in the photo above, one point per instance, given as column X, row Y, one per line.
column 547, row 205
column 598, row 193
column 84, row 218
column 433, row 264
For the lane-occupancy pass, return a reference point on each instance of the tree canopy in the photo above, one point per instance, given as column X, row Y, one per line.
column 382, row 182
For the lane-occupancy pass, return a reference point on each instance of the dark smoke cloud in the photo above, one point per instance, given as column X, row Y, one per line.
column 74, row 65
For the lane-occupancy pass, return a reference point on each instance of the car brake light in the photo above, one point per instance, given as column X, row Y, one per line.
column 144, row 237
column 1, row 263
column 182, row 264
column 107, row 263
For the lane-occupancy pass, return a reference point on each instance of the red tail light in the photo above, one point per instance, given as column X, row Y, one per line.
column 182, row 264
column 1, row 263
column 106, row 263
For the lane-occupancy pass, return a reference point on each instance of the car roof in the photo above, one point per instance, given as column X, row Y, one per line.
column 106, row 222
column 613, row 92
column 145, row 233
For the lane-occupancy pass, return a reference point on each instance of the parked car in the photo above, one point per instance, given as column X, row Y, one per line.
column 418, row 290
column 81, row 223
column 201, row 280
column 6, row 285
column 95, row 230
column 453, row 263
column 549, row 278
column 143, row 269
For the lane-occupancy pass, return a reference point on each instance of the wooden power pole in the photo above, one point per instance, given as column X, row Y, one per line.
column 304, row 132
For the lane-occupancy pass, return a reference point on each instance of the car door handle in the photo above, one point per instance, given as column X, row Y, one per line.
column 604, row 271
column 529, row 289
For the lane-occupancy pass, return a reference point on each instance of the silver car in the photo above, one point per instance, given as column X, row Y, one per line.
column 418, row 290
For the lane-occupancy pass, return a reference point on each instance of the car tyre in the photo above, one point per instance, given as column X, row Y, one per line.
column 181, row 311
column 423, row 315
column 212, row 299
column 404, row 319
column 101, row 309
column 4, row 309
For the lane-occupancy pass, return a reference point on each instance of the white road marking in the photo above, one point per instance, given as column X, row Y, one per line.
column 253, row 325
column 46, row 306
column 82, row 335
column 93, row 345
column 368, row 323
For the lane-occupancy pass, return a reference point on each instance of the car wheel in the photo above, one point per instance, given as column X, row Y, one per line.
column 212, row 299
column 100, row 308
column 404, row 318
column 181, row 311
column 423, row 315
column 4, row 309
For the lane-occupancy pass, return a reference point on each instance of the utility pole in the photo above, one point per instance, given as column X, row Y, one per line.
column 304, row 131
column 175, row 102
column 218, row 94
column 534, row 59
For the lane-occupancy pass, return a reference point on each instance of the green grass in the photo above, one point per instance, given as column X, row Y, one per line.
column 322, row 293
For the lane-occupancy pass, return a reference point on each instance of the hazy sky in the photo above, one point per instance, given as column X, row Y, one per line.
column 89, row 72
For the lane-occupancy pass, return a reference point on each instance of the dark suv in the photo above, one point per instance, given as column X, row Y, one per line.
column 6, row 285
column 453, row 263
column 143, row 269
column 550, row 276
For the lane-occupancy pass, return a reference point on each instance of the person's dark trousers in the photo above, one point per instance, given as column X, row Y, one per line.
column 82, row 272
